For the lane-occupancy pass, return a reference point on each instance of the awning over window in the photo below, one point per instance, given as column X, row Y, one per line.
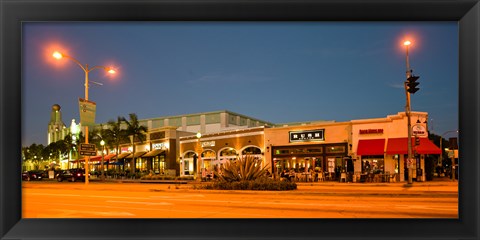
column 107, row 157
column 154, row 153
column 137, row 154
column 400, row 146
column 122, row 155
column 427, row 147
column 371, row 147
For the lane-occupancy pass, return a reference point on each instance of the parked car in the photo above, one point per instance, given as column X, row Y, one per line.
column 33, row 175
column 71, row 175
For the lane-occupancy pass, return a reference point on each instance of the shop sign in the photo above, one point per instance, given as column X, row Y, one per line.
column 158, row 145
column 370, row 131
column 419, row 130
column 208, row 144
column 307, row 136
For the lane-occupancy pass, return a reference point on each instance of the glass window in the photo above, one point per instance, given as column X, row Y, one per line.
column 228, row 152
column 335, row 149
column 281, row 151
column 314, row 150
column 251, row 150
column 208, row 154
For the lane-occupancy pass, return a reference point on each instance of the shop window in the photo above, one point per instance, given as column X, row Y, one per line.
column 314, row 150
column 189, row 155
column 228, row 152
column 372, row 164
column 208, row 154
column 252, row 151
column 282, row 151
column 335, row 149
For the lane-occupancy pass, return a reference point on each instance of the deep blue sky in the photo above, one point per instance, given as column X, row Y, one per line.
column 274, row 71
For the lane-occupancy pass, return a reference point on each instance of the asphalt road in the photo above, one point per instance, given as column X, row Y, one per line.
column 320, row 200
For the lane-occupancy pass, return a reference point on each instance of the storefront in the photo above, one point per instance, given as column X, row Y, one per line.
column 217, row 149
column 323, row 148
column 380, row 147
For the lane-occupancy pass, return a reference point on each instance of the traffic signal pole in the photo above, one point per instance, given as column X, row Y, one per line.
column 409, row 124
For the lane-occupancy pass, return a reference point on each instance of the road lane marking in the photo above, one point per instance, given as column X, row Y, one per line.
column 56, row 194
column 145, row 203
column 144, row 198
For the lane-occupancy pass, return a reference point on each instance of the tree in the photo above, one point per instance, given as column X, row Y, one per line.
column 114, row 135
column 136, row 132
column 33, row 153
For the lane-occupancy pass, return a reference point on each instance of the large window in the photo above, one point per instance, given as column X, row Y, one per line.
column 373, row 164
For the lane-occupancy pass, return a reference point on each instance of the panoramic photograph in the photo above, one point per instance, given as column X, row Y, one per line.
column 240, row 120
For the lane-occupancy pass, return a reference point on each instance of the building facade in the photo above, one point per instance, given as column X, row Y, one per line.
column 357, row 147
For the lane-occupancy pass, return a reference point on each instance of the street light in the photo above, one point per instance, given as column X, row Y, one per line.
column 103, row 153
column 407, row 111
column 199, row 157
column 87, row 70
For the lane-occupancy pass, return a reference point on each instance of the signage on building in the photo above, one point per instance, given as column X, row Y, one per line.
column 158, row 146
column 370, row 131
column 419, row 130
column 208, row 144
column 87, row 112
column 307, row 136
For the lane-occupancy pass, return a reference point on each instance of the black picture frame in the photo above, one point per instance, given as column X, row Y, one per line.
column 14, row 12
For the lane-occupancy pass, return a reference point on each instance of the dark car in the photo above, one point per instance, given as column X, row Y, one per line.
column 71, row 175
column 33, row 175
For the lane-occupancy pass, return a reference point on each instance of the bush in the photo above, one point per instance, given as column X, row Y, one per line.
column 263, row 183
column 243, row 169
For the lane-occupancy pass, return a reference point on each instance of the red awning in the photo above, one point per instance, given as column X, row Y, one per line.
column 371, row 147
column 427, row 147
column 400, row 146
column 107, row 157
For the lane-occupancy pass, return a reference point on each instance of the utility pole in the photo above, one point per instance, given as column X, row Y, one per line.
column 410, row 87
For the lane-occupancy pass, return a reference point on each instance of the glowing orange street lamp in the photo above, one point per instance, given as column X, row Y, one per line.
column 87, row 70
column 407, row 43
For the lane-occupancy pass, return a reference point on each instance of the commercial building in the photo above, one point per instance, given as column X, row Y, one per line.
column 360, row 148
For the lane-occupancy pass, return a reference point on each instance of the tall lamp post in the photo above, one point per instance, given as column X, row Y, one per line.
column 410, row 88
column 199, row 156
column 102, row 143
column 407, row 111
column 87, row 70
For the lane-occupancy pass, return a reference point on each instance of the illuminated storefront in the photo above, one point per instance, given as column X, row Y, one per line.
column 216, row 149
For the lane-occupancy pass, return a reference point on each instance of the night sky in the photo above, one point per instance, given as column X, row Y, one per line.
column 274, row 71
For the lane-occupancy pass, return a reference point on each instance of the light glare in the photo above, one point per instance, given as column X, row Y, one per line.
column 406, row 43
column 57, row 55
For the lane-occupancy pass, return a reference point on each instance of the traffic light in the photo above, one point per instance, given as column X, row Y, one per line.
column 412, row 84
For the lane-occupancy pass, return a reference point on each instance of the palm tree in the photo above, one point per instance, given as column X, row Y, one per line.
column 114, row 135
column 71, row 145
column 137, row 132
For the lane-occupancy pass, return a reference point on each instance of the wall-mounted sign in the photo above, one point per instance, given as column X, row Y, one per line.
column 371, row 131
column 208, row 144
column 419, row 130
column 307, row 136
column 159, row 145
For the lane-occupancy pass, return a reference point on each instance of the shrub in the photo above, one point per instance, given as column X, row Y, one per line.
column 243, row 169
column 262, row 183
